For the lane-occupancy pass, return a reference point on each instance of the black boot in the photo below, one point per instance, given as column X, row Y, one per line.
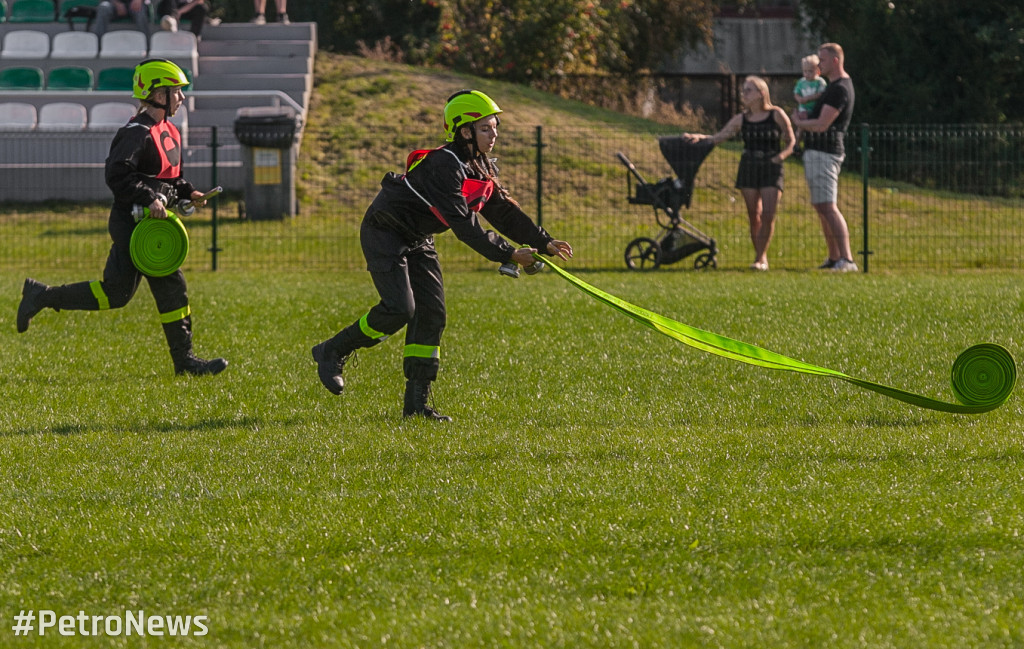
column 332, row 354
column 417, row 391
column 179, row 339
column 330, row 361
column 31, row 302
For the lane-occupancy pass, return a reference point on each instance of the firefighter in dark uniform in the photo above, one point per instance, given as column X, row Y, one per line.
column 142, row 168
column 444, row 188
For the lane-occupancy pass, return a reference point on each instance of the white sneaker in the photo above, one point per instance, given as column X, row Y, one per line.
column 169, row 24
column 260, row 19
column 845, row 266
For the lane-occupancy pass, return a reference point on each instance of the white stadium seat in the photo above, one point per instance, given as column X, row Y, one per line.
column 123, row 44
column 170, row 45
column 110, row 115
column 17, row 116
column 62, row 116
column 25, row 44
column 75, row 45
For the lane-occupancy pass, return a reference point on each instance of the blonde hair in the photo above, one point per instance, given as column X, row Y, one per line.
column 762, row 86
column 811, row 59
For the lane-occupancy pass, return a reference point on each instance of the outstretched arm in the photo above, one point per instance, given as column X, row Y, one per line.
column 555, row 248
column 731, row 128
column 559, row 249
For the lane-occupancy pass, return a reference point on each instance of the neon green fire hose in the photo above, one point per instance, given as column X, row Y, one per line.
column 983, row 375
column 159, row 246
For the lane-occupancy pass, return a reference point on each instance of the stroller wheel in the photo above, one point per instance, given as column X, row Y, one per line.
column 643, row 254
column 704, row 261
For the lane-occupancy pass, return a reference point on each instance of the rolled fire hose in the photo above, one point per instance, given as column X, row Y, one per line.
column 159, row 246
column 982, row 379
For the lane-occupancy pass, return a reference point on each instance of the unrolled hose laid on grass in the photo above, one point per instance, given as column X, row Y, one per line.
column 983, row 375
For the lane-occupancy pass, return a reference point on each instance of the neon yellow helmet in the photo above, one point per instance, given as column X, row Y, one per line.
column 466, row 107
column 156, row 73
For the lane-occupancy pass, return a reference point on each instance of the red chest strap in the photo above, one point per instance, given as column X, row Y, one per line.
column 476, row 192
column 168, row 145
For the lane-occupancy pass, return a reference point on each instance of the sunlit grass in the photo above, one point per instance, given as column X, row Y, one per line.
column 600, row 486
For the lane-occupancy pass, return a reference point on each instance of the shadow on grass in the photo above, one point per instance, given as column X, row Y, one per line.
column 98, row 230
column 160, row 427
column 875, row 420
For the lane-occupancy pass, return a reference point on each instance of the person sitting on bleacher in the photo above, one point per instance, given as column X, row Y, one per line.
column 172, row 11
column 108, row 10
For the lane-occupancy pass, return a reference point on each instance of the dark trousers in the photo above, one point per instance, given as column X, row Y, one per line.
column 408, row 279
column 196, row 15
column 121, row 280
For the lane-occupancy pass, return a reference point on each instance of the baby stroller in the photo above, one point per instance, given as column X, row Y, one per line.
column 669, row 195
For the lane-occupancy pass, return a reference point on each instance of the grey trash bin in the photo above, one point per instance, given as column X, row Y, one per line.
column 269, row 139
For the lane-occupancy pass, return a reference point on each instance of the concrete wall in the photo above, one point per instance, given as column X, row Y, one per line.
column 748, row 46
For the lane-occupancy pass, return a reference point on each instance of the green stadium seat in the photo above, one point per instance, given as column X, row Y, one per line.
column 24, row 78
column 32, row 11
column 70, row 77
column 119, row 79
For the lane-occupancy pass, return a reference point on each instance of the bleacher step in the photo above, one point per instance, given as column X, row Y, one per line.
column 260, row 48
column 296, row 86
column 270, row 31
column 262, row 64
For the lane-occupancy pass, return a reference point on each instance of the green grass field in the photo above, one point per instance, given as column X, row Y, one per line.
column 601, row 485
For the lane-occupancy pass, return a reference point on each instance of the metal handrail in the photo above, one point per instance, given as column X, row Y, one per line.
column 278, row 95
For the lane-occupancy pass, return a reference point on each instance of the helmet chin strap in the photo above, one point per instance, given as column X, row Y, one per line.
column 166, row 107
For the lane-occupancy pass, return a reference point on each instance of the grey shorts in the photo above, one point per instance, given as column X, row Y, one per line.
column 822, row 172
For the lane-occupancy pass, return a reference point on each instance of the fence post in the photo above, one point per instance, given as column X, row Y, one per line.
column 865, row 154
column 216, row 199
column 540, row 175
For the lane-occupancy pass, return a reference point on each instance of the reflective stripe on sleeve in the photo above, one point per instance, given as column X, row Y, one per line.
column 101, row 297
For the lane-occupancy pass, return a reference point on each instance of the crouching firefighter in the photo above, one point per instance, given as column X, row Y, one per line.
column 143, row 168
column 441, row 189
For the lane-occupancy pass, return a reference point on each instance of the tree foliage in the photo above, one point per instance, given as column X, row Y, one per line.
column 520, row 40
column 410, row 24
column 530, row 39
column 651, row 30
column 929, row 61
column 941, row 61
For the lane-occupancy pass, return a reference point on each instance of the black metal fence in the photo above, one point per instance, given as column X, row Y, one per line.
column 915, row 197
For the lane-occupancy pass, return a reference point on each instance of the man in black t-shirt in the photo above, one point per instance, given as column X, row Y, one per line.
column 825, row 128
